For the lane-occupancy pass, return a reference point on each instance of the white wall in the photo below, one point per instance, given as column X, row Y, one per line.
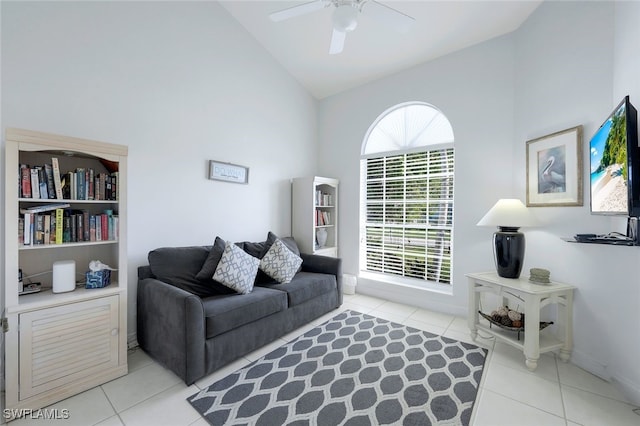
column 474, row 88
column 626, row 81
column 179, row 83
column 566, row 64
column 557, row 71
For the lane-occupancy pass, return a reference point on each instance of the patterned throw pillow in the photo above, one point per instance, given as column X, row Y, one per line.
column 280, row 263
column 236, row 269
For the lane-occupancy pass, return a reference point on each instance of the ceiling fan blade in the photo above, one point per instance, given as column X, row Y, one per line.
column 337, row 42
column 301, row 9
column 388, row 16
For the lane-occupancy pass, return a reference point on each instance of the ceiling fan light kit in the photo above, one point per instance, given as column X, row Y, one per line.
column 345, row 17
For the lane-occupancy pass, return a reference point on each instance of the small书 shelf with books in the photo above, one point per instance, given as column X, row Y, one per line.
column 59, row 344
column 315, row 214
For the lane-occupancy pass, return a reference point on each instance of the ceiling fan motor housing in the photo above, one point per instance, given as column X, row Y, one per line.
column 345, row 17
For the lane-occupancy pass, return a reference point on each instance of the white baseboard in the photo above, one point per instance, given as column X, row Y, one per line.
column 629, row 389
column 591, row 365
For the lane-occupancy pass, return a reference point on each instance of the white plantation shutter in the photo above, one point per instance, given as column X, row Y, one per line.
column 407, row 196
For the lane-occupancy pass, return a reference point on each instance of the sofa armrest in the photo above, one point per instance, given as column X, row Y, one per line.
column 324, row 265
column 171, row 327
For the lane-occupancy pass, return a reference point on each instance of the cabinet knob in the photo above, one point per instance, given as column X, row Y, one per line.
column 114, row 332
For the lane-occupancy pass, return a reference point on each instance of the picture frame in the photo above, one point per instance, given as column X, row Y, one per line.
column 228, row 172
column 554, row 169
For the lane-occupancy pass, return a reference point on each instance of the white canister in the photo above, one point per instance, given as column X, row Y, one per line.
column 349, row 283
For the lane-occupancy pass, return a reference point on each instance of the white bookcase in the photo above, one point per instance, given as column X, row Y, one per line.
column 314, row 212
column 60, row 344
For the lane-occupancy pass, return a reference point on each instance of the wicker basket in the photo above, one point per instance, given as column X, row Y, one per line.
column 492, row 322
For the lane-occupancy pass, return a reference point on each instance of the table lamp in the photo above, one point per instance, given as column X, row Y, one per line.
column 508, row 215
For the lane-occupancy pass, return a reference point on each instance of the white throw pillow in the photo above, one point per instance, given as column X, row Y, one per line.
column 236, row 269
column 280, row 263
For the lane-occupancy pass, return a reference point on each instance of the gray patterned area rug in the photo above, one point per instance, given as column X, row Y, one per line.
column 352, row 370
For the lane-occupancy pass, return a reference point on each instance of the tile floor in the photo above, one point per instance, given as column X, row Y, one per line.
column 556, row 394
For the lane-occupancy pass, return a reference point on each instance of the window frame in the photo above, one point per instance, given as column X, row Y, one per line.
column 403, row 279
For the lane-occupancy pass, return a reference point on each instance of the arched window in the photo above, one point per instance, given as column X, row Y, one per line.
column 406, row 209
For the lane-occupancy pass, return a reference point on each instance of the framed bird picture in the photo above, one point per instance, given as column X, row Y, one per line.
column 554, row 169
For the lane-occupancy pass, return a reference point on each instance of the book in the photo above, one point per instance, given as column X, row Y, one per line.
column 98, row 227
column 59, row 225
column 39, row 229
column 21, row 230
column 116, row 227
column 80, row 182
column 45, row 208
column 57, row 182
column 66, row 227
column 85, row 226
column 114, row 185
column 48, row 171
column 107, row 188
column 91, row 184
column 42, row 177
column 25, row 172
column 47, row 229
column 52, row 228
column 27, row 228
column 92, row 228
column 79, row 227
column 104, row 221
column 35, row 184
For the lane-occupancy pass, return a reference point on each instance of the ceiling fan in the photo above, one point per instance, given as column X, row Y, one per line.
column 345, row 17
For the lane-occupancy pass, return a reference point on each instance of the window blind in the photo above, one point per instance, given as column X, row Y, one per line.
column 407, row 214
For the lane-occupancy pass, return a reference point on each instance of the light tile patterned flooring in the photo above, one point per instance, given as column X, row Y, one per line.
column 556, row 394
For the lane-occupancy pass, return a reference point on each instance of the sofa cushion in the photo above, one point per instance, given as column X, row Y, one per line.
column 288, row 241
column 212, row 260
column 179, row 266
column 306, row 286
column 236, row 269
column 280, row 263
column 258, row 250
column 226, row 312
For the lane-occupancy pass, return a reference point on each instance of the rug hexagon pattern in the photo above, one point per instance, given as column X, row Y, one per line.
column 353, row 370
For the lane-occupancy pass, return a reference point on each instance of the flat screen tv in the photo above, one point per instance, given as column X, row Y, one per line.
column 615, row 164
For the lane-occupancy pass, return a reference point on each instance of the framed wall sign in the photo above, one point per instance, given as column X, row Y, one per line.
column 228, row 172
column 554, row 169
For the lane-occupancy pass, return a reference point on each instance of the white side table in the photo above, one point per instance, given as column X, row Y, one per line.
column 534, row 297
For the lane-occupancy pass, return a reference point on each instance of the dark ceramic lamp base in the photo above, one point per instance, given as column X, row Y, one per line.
column 508, row 251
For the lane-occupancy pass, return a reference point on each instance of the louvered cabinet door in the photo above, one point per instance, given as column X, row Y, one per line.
column 65, row 344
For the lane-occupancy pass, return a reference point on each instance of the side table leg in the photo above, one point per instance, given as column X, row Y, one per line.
column 531, row 364
column 474, row 305
column 565, row 351
column 532, row 331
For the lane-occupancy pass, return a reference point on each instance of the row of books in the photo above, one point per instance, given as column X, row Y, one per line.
column 323, row 199
column 323, row 218
column 46, row 182
column 61, row 226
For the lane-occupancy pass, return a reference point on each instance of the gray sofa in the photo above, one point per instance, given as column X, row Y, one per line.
column 194, row 326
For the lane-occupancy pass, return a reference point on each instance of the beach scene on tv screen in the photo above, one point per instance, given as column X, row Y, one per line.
column 609, row 166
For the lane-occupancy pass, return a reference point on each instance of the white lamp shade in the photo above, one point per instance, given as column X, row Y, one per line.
column 508, row 212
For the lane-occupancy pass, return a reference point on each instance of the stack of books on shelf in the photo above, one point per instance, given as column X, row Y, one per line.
column 323, row 218
column 47, row 182
column 323, row 199
column 58, row 224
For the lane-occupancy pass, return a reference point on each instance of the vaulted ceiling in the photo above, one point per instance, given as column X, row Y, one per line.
column 373, row 50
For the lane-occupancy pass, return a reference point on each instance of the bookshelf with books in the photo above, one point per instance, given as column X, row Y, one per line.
column 65, row 200
column 315, row 214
